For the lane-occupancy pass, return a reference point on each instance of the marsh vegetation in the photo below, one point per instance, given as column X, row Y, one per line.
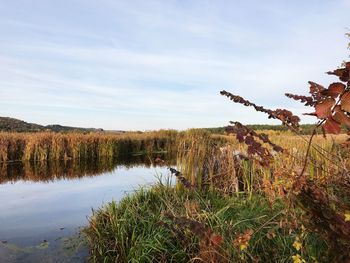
column 49, row 146
column 248, row 197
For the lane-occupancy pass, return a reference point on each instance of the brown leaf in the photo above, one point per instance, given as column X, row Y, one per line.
column 347, row 65
column 315, row 90
column 334, row 90
column 342, row 118
column 324, row 108
column 310, row 114
column 342, row 73
column 216, row 240
column 331, row 126
column 314, row 87
column 345, row 102
column 271, row 234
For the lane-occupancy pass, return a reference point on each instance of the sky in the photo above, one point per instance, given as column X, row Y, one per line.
column 146, row 65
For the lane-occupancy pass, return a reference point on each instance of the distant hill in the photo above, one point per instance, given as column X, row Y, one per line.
column 11, row 124
column 15, row 125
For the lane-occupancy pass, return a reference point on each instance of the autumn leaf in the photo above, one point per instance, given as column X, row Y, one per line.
column 345, row 102
column 314, row 87
column 243, row 246
column 334, row 90
column 331, row 126
column 315, row 90
column 297, row 245
column 242, row 240
column 347, row 65
column 342, row 73
column 342, row 118
column 347, row 217
column 216, row 240
column 298, row 259
column 310, row 114
column 324, row 108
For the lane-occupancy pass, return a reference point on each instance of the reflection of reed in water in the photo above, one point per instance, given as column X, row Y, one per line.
column 68, row 169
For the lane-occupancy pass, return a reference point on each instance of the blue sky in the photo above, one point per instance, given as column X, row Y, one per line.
column 143, row 65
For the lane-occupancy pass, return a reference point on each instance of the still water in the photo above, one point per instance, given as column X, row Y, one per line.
column 44, row 206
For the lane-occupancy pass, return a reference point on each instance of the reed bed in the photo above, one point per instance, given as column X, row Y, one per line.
column 208, row 160
column 46, row 146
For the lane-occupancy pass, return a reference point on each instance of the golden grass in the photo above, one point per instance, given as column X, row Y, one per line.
column 207, row 160
column 64, row 146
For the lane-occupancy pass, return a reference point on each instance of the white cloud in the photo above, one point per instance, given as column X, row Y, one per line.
column 162, row 65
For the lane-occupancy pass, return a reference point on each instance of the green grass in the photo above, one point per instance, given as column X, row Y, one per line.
column 132, row 230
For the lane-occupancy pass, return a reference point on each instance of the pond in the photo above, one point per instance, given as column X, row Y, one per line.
column 44, row 206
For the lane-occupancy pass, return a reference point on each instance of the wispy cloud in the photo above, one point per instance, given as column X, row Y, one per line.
column 161, row 64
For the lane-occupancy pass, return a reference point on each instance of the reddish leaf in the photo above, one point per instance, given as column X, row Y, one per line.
column 345, row 102
column 324, row 108
column 249, row 140
column 309, row 101
column 216, row 240
column 342, row 118
column 314, row 87
column 334, row 90
column 342, row 73
column 310, row 114
column 240, row 137
column 315, row 90
column 338, row 72
column 337, row 108
column 331, row 126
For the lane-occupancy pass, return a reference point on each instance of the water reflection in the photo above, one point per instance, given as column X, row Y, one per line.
column 50, row 201
column 69, row 169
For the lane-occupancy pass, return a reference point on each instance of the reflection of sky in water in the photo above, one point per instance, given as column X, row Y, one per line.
column 38, row 210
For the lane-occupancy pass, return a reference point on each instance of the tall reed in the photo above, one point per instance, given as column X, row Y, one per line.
column 214, row 160
column 47, row 146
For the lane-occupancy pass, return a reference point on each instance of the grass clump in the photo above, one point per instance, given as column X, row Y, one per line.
column 164, row 224
column 130, row 231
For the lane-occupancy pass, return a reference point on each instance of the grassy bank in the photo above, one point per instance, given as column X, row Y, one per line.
column 167, row 225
